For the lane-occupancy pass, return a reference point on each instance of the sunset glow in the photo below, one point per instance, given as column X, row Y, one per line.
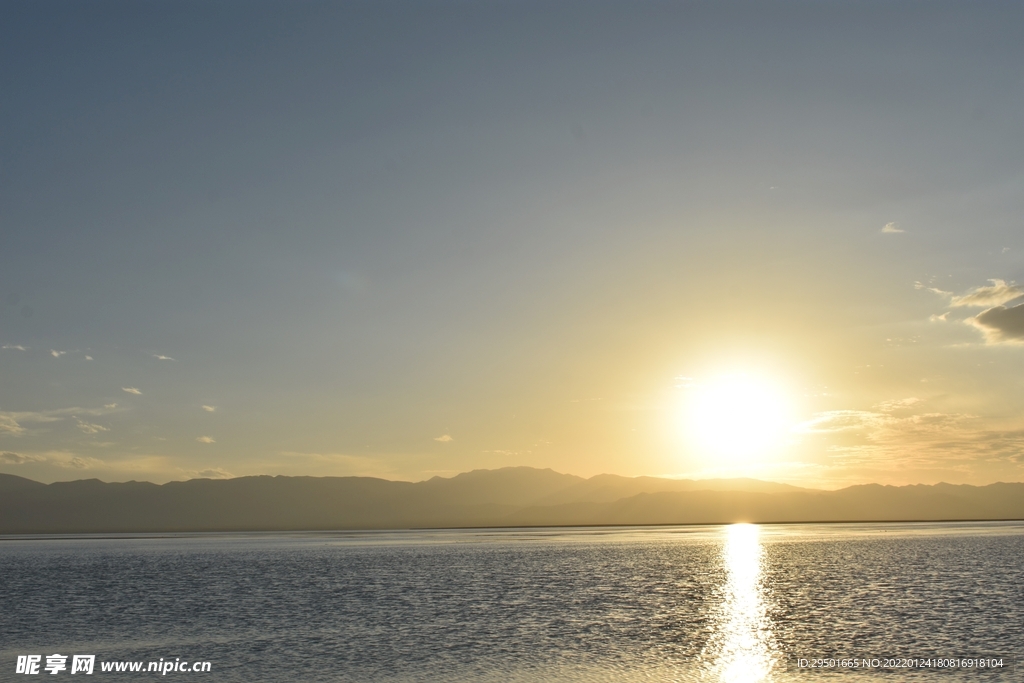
column 416, row 243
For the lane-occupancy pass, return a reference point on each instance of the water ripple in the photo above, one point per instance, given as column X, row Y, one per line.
column 724, row 604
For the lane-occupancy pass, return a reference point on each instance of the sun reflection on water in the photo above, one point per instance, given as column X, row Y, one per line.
column 744, row 647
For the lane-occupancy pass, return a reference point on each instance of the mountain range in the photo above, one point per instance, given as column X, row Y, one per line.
column 509, row 497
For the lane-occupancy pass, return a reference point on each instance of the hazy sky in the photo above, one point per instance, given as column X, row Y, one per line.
column 415, row 238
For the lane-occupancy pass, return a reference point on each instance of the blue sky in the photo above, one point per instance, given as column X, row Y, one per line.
column 407, row 239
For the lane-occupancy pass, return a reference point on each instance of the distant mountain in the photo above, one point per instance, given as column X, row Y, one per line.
column 607, row 488
column 514, row 496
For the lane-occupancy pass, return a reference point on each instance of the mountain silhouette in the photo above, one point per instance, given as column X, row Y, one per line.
column 513, row 496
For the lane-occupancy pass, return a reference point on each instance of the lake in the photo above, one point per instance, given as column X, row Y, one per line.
column 737, row 603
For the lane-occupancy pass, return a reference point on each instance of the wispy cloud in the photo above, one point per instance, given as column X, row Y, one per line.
column 90, row 428
column 88, row 357
column 883, row 421
column 996, row 294
column 132, row 390
column 138, row 467
column 210, row 409
column 57, row 354
column 210, row 473
column 897, row 404
column 79, row 463
column 10, row 425
column 444, row 438
column 62, row 459
column 953, row 445
column 205, row 439
column 851, row 440
column 331, row 464
column 892, row 228
column 14, row 347
column 161, row 357
column 12, row 421
column 933, row 290
column 9, row 458
column 838, row 421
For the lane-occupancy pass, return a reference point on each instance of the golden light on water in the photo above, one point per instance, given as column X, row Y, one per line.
column 743, row 641
column 737, row 418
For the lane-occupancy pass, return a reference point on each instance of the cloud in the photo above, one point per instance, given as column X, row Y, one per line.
column 210, row 409
column 205, row 439
column 8, row 458
column 1006, row 250
column 58, row 458
column 9, row 425
column 996, row 294
column 897, row 404
column 892, row 228
column 132, row 390
column 110, row 406
column 89, row 428
column 57, row 354
column 1001, row 324
column 888, row 441
column 210, row 473
column 161, row 357
column 882, row 423
column 333, row 464
column 933, row 290
column 78, row 463
column 14, row 347
column 838, row 421
column 11, row 421
column 88, row 357
column 444, row 438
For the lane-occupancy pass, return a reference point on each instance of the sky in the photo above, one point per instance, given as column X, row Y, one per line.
column 410, row 239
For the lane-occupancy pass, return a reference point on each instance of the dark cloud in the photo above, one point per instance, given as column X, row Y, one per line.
column 1001, row 324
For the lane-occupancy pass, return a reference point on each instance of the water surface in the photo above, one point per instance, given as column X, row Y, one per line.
column 727, row 604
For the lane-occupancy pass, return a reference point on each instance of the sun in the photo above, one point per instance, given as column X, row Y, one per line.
column 736, row 418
